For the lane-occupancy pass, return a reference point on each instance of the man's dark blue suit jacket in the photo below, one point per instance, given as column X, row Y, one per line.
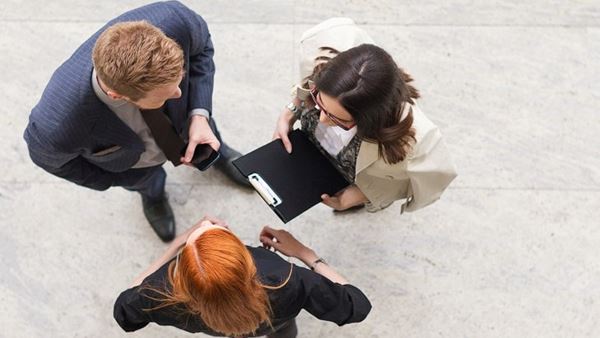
column 70, row 125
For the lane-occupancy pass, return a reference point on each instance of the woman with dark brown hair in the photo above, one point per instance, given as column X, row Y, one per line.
column 208, row 281
column 360, row 109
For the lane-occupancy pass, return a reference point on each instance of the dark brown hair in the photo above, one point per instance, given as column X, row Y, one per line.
column 374, row 90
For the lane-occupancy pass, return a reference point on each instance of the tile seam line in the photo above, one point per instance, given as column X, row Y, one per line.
column 525, row 189
column 449, row 188
column 314, row 23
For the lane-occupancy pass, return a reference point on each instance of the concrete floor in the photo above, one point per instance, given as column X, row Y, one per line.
column 511, row 249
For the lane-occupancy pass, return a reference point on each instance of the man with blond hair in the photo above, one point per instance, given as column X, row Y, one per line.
column 125, row 102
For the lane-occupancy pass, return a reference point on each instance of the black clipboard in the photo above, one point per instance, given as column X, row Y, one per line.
column 291, row 183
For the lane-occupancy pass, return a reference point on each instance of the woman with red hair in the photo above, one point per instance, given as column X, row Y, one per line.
column 209, row 281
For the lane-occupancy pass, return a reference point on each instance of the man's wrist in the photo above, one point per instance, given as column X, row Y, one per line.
column 196, row 116
column 201, row 112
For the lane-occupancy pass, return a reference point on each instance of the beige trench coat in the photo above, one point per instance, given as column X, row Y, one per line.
column 421, row 178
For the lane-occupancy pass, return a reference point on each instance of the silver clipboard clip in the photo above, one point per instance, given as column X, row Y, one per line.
column 264, row 190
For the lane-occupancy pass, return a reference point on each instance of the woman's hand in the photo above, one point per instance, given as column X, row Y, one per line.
column 285, row 243
column 284, row 124
column 347, row 198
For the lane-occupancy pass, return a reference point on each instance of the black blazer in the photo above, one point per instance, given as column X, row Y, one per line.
column 324, row 299
column 70, row 129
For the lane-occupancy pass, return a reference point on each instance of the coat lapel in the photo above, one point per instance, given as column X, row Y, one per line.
column 367, row 154
column 108, row 126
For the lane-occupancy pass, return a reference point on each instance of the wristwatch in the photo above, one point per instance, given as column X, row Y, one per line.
column 317, row 261
column 292, row 107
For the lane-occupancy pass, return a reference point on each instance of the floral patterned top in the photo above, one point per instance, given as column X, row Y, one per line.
column 345, row 160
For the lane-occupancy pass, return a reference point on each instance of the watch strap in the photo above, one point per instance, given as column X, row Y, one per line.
column 317, row 261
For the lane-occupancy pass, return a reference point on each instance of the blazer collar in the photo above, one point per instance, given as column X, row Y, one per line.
column 107, row 100
column 368, row 153
column 107, row 125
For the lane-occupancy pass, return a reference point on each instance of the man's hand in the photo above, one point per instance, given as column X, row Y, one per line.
column 199, row 133
column 347, row 198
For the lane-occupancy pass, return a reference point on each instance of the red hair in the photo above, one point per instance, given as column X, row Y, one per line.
column 215, row 278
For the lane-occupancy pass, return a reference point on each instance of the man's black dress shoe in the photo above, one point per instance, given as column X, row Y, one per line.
column 224, row 165
column 160, row 216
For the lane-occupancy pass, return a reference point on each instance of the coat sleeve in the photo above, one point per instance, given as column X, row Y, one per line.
column 128, row 311
column 326, row 300
column 201, row 65
column 338, row 33
column 140, row 305
column 430, row 171
column 65, row 162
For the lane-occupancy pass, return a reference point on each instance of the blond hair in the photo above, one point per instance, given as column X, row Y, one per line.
column 135, row 57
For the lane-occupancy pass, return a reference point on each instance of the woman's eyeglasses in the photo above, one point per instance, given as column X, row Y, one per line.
column 336, row 120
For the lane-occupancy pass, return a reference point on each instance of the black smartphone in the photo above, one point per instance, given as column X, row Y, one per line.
column 204, row 157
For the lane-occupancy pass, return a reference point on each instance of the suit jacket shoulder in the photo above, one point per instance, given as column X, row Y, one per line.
column 69, row 110
column 65, row 113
